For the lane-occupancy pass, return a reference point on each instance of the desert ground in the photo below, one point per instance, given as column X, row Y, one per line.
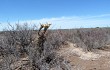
column 80, row 60
column 61, row 49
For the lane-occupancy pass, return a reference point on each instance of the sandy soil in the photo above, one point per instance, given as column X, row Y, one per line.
column 81, row 60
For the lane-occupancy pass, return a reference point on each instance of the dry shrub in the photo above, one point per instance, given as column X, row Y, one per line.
column 18, row 43
column 88, row 38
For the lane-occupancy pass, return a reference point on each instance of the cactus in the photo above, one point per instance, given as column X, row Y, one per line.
column 45, row 26
column 42, row 37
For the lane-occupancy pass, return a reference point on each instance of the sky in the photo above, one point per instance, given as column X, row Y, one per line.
column 65, row 14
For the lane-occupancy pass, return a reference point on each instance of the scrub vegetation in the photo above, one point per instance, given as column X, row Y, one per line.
column 22, row 48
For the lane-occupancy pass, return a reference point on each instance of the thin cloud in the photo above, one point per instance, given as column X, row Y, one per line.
column 69, row 22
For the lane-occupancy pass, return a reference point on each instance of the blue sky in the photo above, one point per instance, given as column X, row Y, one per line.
column 62, row 13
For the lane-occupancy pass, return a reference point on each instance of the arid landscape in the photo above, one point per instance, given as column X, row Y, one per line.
column 54, row 34
column 21, row 48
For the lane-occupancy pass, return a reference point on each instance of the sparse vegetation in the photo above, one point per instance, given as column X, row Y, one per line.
column 21, row 42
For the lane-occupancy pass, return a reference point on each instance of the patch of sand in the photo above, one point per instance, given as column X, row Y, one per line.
column 80, row 60
column 72, row 50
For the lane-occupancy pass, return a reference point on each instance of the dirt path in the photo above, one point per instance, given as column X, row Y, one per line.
column 81, row 60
